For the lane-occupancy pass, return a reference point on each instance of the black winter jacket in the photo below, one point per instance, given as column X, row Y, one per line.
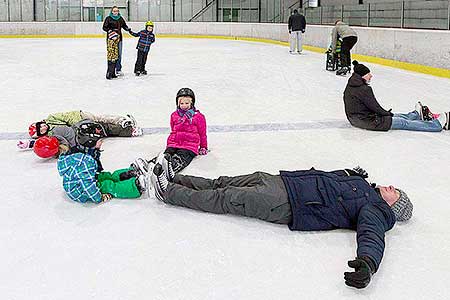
column 362, row 108
column 117, row 25
column 297, row 22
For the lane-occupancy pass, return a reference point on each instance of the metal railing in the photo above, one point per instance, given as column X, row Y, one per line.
column 425, row 14
column 431, row 14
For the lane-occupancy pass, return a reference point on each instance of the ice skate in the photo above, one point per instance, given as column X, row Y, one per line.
column 167, row 167
column 142, row 183
column 342, row 71
column 141, row 166
column 444, row 120
column 137, row 131
column 159, row 181
column 128, row 121
column 424, row 112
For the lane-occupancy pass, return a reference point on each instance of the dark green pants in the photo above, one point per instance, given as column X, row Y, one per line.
column 258, row 195
column 110, row 183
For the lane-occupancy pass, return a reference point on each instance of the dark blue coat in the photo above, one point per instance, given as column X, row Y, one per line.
column 329, row 200
column 146, row 39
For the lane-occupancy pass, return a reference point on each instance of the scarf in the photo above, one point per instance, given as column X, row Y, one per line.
column 115, row 17
column 186, row 113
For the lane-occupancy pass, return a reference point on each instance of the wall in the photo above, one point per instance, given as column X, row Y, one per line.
column 424, row 47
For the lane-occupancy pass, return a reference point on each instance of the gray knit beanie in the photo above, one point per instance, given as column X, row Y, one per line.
column 403, row 207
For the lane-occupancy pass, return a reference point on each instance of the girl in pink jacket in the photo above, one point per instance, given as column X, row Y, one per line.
column 187, row 138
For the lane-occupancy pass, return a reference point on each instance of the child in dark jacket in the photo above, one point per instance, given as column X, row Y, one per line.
column 146, row 38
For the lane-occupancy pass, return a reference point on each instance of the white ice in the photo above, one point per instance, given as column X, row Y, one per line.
column 53, row 248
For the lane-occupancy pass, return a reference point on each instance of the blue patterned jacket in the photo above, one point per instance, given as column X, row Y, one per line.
column 79, row 177
column 146, row 38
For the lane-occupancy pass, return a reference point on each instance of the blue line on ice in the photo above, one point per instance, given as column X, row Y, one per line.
column 323, row 124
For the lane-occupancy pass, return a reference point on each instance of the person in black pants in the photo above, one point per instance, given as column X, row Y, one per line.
column 305, row 200
column 146, row 39
column 349, row 39
column 115, row 22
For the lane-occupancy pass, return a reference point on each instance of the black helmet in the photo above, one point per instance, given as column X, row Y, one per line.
column 88, row 133
column 185, row 92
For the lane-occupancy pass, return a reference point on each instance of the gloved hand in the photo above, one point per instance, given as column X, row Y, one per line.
column 290, row 32
column 203, row 151
column 303, row 31
column 360, row 278
column 25, row 144
column 127, row 29
column 357, row 171
column 106, row 197
column 361, row 172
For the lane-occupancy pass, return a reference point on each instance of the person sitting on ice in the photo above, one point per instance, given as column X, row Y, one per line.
column 306, row 200
column 187, row 137
column 55, row 124
column 364, row 111
column 85, row 181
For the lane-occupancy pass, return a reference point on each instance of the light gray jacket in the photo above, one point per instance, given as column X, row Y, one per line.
column 341, row 30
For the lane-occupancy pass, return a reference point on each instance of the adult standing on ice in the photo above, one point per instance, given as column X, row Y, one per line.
column 115, row 22
column 306, row 200
column 364, row 111
column 296, row 27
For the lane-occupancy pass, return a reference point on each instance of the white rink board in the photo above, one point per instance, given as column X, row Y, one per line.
column 53, row 248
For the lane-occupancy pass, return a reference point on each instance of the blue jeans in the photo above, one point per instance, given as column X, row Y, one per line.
column 412, row 121
column 119, row 60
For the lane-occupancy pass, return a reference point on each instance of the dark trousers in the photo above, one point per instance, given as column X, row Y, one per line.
column 117, row 130
column 180, row 158
column 111, row 68
column 258, row 195
column 347, row 45
column 140, row 61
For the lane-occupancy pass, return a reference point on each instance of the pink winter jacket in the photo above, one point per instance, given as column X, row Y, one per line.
column 186, row 135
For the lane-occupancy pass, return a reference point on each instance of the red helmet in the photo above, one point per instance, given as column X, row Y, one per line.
column 46, row 146
column 32, row 131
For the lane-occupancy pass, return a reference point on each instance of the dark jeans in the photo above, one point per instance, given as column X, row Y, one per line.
column 119, row 60
column 140, row 61
column 181, row 158
column 258, row 195
column 347, row 45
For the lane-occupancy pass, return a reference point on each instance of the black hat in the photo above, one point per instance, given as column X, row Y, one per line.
column 360, row 69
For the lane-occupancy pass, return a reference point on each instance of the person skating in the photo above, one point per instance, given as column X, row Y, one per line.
column 146, row 39
column 85, row 181
column 349, row 38
column 296, row 28
column 115, row 22
column 305, row 200
column 363, row 110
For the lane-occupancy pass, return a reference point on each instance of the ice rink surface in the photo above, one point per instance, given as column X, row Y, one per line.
column 53, row 248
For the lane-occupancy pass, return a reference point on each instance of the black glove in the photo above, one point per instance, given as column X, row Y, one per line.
column 358, row 171
column 127, row 29
column 290, row 32
column 360, row 278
